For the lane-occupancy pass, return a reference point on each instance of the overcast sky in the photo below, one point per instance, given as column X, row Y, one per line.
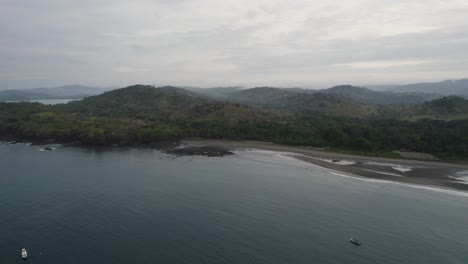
column 306, row 43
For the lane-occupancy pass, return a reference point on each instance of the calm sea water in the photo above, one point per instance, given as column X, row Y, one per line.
column 76, row 205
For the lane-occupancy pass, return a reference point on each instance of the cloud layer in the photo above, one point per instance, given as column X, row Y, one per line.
column 306, row 43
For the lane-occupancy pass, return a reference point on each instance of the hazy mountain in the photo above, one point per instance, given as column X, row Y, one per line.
column 217, row 92
column 62, row 92
column 379, row 97
column 449, row 87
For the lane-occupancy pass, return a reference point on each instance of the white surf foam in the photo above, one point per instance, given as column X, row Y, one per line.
column 54, row 147
column 345, row 162
column 427, row 188
column 462, row 173
column 355, row 177
column 402, row 169
column 460, row 176
column 337, row 162
column 287, row 158
column 384, row 173
column 394, row 166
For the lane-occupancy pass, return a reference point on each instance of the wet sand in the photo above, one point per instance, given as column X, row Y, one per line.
column 421, row 172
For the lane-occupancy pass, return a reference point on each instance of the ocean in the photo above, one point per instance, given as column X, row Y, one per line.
column 76, row 205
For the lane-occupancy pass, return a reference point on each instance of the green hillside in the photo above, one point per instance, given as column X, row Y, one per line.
column 145, row 115
column 301, row 103
column 159, row 104
column 345, row 100
column 449, row 105
column 446, row 108
column 132, row 115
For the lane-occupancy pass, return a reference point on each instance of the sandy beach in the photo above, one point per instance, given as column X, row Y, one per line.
column 421, row 172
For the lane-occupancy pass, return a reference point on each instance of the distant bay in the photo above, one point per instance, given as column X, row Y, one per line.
column 48, row 101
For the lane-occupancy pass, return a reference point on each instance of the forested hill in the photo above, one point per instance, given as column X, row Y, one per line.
column 164, row 103
column 143, row 115
column 447, row 105
column 342, row 100
column 137, row 114
column 301, row 103
column 446, row 108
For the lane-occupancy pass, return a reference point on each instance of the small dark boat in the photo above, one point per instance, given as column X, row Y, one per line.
column 48, row 149
column 354, row 241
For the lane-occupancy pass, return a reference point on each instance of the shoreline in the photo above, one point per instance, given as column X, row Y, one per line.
column 417, row 172
column 431, row 173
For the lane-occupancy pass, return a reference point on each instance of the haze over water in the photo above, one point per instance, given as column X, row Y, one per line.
column 76, row 205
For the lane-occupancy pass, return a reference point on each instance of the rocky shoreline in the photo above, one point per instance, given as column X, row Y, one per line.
column 175, row 148
column 208, row 151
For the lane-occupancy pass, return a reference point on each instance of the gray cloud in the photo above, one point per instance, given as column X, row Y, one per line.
column 232, row 42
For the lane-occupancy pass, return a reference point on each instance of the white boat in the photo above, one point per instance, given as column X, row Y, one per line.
column 24, row 253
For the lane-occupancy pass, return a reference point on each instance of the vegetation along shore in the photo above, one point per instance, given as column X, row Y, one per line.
column 139, row 115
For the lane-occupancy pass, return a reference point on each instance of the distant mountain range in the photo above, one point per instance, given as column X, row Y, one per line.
column 449, row 87
column 379, row 94
column 62, row 92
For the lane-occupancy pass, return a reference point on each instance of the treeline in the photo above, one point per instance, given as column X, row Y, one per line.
column 449, row 139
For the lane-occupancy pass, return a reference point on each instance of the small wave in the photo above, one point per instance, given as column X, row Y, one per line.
column 402, row 169
column 344, row 162
column 394, row 166
column 440, row 190
column 332, row 161
column 381, row 163
column 428, row 188
column 20, row 143
column 388, row 164
column 45, row 149
column 461, row 176
column 462, row 173
column 356, row 177
column 464, row 181
column 274, row 157
column 385, row 173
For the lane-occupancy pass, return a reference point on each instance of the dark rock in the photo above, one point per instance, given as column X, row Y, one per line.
column 207, row 151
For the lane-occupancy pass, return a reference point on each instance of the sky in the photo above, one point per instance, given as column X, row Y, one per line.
column 285, row 43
